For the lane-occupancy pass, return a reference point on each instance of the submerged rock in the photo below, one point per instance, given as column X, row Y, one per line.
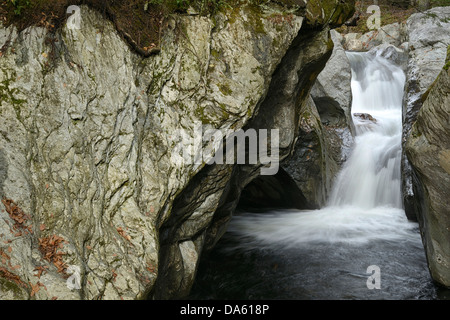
column 365, row 116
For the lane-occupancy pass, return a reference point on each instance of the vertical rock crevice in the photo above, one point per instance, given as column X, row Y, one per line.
column 287, row 94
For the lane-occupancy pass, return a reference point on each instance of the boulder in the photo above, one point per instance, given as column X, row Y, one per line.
column 428, row 150
column 325, row 129
column 89, row 150
column 314, row 164
column 332, row 91
column 393, row 34
column 322, row 142
column 428, row 35
column 397, row 55
column 365, row 116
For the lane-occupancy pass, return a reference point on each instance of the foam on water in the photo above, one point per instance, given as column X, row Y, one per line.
column 366, row 201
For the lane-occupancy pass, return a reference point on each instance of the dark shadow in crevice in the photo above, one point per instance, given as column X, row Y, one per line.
column 272, row 192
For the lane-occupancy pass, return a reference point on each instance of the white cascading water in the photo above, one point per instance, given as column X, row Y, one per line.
column 371, row 177
column 366, row 201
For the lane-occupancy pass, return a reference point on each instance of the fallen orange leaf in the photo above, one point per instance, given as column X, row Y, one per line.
column 34, row 288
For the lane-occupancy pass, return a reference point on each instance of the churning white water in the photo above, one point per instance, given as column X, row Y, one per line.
column 371, row 177
column 366, row 201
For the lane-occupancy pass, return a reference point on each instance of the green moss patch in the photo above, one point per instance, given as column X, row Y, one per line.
column 9, row 95
column 225, row 89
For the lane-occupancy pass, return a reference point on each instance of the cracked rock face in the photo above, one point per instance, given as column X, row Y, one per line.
column 281, row 109
column 325, row 130
column 100, row 197
column 428, row 150
column 91, row 175
column 428, row 35
column 87, row 147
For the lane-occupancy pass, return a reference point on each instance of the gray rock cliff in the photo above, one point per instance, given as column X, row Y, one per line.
column 90, row 169
column 428, row 35
column 428, row 150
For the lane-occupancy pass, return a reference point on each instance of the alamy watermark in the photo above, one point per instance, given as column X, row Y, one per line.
column 74, row 281
column 374, row 281
column 374, row 21
column 74, row 21
column 206, row 145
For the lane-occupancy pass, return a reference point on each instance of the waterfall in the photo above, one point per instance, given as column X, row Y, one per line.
column 371, row 176
column 366, row 202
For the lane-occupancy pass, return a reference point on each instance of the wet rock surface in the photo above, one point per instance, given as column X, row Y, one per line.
column 428, row 150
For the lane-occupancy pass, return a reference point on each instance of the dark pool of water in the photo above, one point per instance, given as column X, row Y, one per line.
column 317, row 271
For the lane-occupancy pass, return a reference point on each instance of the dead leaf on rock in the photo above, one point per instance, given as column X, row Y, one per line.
column 6, row 274
column 49, row 249
column 4, row 254
column 123, row 234
column 18, row 216
column 35, row 288
column 40, row 270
